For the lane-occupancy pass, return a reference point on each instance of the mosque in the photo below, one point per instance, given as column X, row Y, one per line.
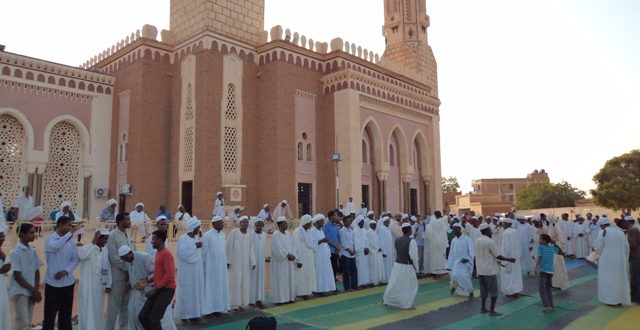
column 216, row 103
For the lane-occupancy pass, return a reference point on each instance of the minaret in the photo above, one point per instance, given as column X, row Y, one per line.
column 407, row 48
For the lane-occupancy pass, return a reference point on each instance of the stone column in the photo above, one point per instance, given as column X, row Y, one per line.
column 426, row 195
column 382, row 186
column 349, row 141
column 406, row 193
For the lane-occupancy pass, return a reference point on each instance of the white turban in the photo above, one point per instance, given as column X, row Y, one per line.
column 243, row 218
column 64, row 204
column 284, row 202
column 124, row 250
column 193, row 224
column 369, row 213
column 508, row 220
column 218, row 193
column 256, row 220
column 372, row 222
column 306, row 219
column 483, row 226
column 385, row 218
column 359, row 219
column 629, row 218
column 457, row 225
column 139, row 204
column 265, row 206
column 604, row 221
column 217, row 218
column 111, row 202
column 520, row 217
column 405, row 225
column 161, row 217
column 281, row 219
column 413, row 218
column 318, row 217
column 404, row 216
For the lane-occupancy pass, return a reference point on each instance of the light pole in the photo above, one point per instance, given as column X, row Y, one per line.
column 336, row 159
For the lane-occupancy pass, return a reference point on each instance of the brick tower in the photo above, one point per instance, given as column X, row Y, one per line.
column 408, row 51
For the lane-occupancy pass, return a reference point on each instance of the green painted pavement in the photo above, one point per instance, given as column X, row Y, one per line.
column 598, row 318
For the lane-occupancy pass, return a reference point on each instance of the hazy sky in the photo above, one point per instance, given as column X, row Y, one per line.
column 524, row 85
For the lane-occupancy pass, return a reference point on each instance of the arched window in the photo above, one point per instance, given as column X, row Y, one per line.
column 365, row 152
column 309, row 157
column 300, row 152
column 392, row 155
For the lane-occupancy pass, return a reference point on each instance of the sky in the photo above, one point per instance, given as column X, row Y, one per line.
column 524, row 85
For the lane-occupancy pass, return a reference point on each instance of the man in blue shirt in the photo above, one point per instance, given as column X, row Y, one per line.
column 163, row 211
column 332, row 233
column 544, row 266
column 62, row 260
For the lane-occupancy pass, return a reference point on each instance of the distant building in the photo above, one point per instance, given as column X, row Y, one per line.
column 495, row 195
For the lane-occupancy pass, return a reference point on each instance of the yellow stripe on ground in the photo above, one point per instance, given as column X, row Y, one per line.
column 598, row 318
column 628, row 320
column 284, row 309
column 403, row 315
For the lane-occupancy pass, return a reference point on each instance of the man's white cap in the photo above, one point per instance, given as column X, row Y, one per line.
column 458, row 225
column 474, row 217
column 104, row 232
column 256, row 220
column 404, row 216
column 265, row 206
column 63, row 205
column 161, row 217
column 243, row 218
column 604, row 221
column 318, row 217
column 405, row 225
column 373, row 222
column 219, row 193
column 483, row 226
column 359, row 219
column 112, row 202
column 629, row 218
column 193, row 224
column 370, row 213
column 520, row 217
column 508, row 220
column 123, row 250
column 306, row 219
column 284, row 201
column 385, row 218
column 139, row 204
column 413, row 218
column 217, row 218
column 281, row 219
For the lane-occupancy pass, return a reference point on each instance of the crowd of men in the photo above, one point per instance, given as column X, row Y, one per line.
column 219, row 273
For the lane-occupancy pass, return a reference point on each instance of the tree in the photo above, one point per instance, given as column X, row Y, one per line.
column 618, row 182
column 450, row 184
column 540, row 195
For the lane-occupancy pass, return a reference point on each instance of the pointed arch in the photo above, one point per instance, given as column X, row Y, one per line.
column 424, row 160
column 403, row 148
column 373, row 129
column 26, row 125
column 85, row 138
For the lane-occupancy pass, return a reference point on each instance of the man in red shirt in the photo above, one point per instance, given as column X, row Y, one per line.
column 164, row 285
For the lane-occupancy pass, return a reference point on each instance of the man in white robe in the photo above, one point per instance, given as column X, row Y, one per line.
column 386, row 244
column 351, row 208
column 182, row 217
column 403, row 283
column 511, row 273
column 525, row 241
column 92, row 283
column 567, row 228
column 283, row 263
column 305, row 250
column 141, row 221
column 26, row 209
column 235, row 216
column 214, row 254
column 581, row 237
column 283, row 210
column 361, row 245
column 376, row 261
column 613, row 265
column 241, row 261
column 218, row 206
column 594, row 230
column 560, row 279
column 190, row 286
column 259, row 274
column 460, row 262
column 438, row 242
column 265, row 215
column 325, row 282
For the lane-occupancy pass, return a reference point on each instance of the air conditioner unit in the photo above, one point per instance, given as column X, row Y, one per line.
column 124, row 189
column 102, row 192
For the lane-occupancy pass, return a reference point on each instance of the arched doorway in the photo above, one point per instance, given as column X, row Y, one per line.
column 11, row 158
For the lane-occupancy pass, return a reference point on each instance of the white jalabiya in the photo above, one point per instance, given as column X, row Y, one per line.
column 581, row 243
column 241, row 260
column 461, row 248
column 216, row 286
column 436, row 232
column 394, row 227
column 26, row 209
column 403, row 283
column 282, row 276
column 376, row 261
column 560, row 277
column 306, row 275
column 594, row 231
column 218, row 208
column 525, row 236
column 472, row 232
column 511, row 273
column 360, row 243
column 613, row 267
column 497, row 235
column 388, row 250
column 325, row 282
column 182, row 219
column 5, row 321
column 567, row 229
column 91, row 287
column 190, row 289
column 142, row 223
column 258, row 275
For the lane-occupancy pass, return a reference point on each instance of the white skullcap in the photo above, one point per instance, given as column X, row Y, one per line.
column 413, row 218
column 123, row 250
column 284, row 201
column 318, row 217
column 161, row 217
column 457, row 225
column 104, row 232
column 508, row 220
column 483, row 226
column 217, row 218
column 306, row 219
column 63, row 205
column 520, row 217
column 193, row 224
column 405, row 225
column 404, row 216
column 629, row 218
column 359, row 219
column 372, row 222
column 257, row 219
column 281, row 219
column 243, row 218
column 218, row 193
column 474, row 217
column 265, row 206
column 385, row 218
column 369, row 213
column 111, row 202
column 604, row 221
column 139, row 204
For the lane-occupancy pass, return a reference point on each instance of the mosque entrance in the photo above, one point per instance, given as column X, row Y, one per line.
column 187, row 195
column 414, row 201
column 365, row 196
column 304, row 199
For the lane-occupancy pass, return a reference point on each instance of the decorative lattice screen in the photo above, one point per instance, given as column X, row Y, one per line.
column 230, row 149
column 11, row 149
column 230, row 112
column 61, row 174
column 188, row 150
